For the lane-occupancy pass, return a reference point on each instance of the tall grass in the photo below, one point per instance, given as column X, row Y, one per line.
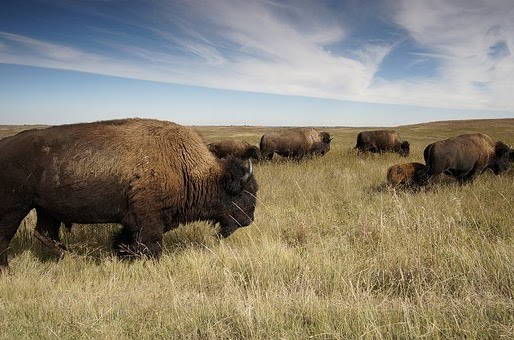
column 332, row 254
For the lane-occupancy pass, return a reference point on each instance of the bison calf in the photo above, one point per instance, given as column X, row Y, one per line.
column 404, row 175
column 147, row 175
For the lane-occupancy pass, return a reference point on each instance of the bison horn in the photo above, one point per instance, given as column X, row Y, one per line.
column 249, row 174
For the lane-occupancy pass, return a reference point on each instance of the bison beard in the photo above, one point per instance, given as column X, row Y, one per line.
column 147, row 175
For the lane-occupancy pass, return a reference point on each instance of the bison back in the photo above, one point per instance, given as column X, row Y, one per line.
column 381, row 140
column 92, row 172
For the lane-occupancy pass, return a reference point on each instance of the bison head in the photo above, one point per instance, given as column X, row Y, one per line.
column 255, row 153
column 239, row 198
column 502, row 158
column 404, row 149
column 325, row 142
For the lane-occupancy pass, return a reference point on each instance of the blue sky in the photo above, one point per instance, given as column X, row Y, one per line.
column 222, row 62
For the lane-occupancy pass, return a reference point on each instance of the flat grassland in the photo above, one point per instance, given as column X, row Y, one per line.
column 332, row 254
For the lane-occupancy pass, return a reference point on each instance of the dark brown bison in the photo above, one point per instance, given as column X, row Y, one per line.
column 464, row 157
column 404, row 175
column 295, row 143
column 235, row 147
column 382, row 141
column 147, row 175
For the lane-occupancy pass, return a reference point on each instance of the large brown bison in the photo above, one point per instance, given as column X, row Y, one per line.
column 404, row 175
column 382, row 141
column 235, row 147
column 147, row 175
column 295, row 143
column 464, row 157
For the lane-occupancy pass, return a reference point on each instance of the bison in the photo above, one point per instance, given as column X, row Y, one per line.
column 464, row 157
column 295, row 143
column 235, row 147
column 404, row 175
column 382, row 141
column 147, row 175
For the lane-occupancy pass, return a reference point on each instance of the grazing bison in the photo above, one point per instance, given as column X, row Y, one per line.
column 235, row 147
column 147, row 175
column 465, row 157
column 404, row 175
column 295, row 143
column 382, row 141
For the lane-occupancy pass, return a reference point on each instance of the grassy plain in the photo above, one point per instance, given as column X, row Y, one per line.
column 332, row 254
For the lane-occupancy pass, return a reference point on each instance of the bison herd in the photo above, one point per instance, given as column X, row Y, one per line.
column 151, row 176
column 463, row 157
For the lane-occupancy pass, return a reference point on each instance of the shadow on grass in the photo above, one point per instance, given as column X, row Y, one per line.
column 93, row 242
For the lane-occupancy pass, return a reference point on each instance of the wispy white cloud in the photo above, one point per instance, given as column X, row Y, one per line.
column 22, row 44
column 273, row 47
column 460, row 35
column 240, row 45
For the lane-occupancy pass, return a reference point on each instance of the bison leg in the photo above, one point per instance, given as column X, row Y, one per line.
column 428, row 175
column 47, row 231
column 468, row 177
column 267, row 155
column 9, row 224
column 67, row 225
column 146, row 241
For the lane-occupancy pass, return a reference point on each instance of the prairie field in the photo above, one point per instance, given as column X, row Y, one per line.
column 333, row 253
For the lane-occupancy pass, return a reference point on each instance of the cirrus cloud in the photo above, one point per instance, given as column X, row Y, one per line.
column 294, row 48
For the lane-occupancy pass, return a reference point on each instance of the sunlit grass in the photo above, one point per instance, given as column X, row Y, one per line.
column 333, row 254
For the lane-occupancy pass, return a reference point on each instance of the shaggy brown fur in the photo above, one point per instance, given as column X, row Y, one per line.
column 465, row 157
column 381, row 141
column 404, row 175
column 148, row 175
column 295, row 143
column 235, row 147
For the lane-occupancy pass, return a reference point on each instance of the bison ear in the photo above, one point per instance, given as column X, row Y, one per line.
column 235, row 174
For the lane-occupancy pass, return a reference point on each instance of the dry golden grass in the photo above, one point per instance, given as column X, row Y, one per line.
column 332, row 254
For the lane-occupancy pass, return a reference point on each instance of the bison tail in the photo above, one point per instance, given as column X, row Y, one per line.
column 427, row 152
column 359, row 141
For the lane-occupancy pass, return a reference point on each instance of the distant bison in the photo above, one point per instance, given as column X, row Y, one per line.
column 404, row 175
column 295, row 143
column 148, row 175
column 382, row 141
column 235, row 147
column 464, row 157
